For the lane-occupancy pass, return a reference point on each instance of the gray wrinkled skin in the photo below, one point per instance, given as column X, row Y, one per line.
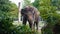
column 30, row 14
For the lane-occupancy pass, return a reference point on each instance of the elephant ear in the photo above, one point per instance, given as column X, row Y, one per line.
column 23, row 11
column 36, row 11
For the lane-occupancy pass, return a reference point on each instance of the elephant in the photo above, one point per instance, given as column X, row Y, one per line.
column 30, row 14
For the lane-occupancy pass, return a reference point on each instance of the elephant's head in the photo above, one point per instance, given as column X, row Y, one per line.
column 31, row 14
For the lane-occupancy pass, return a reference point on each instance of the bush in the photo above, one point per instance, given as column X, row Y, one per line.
column 5, row 25
column 24, row 30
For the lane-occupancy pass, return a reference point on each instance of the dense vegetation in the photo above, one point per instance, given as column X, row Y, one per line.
column 8, row 10
column 8, row 13
column 49, row 11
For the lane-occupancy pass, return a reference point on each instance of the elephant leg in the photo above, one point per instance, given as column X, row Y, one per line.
column 30, row 24
column 24, row 20
column 36, row 22
column 37, row 25
column 34, row 25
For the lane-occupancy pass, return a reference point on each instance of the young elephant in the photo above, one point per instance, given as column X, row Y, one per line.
column 30, row 14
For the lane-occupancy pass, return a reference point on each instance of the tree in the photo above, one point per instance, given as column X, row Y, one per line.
column 48, row 13
column 56, row 3
column 13, row 13
column 26, row 2
column 6, row 26
column 8, row 11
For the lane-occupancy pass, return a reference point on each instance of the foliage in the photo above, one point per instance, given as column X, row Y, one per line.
column 5, row 25
column 48, row 13
column 24, row 30
column 8, row 11
column 46, row 9
column 13, row 13
column 26, row 2
column 5, row 16
column 56, row 3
